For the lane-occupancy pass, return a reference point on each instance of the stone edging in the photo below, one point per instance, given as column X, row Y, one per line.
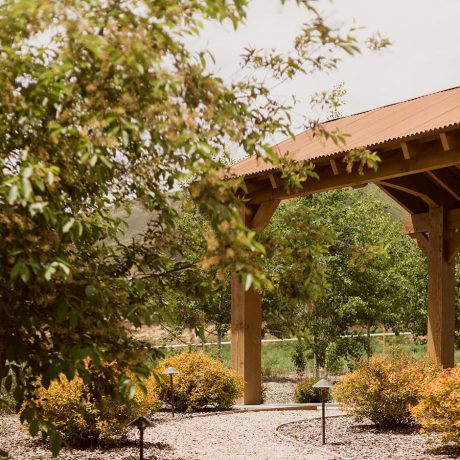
column 322, row 450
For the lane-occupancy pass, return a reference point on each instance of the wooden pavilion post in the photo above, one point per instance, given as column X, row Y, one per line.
column 246, row 322
column 246, row 340
column 441, row 291
column 438, row 235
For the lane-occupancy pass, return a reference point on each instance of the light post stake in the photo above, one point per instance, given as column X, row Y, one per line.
column 172, row 393
column 323, row 385
column 141, row 443
column 171, row 371
column 141, row 423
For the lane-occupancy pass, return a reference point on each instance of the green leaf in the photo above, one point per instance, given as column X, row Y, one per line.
column 68, row 225
column 55, row 443
column 248, row 282
column 34, row 427
column 90, row 291
column 4, row 453
column 26, row 188
column 132, row 391
column 12, row 195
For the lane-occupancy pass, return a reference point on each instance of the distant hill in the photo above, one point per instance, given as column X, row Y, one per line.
column 139, row 218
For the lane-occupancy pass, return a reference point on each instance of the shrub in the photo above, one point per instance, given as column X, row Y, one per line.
column 305, row 393
column 439, row 408
column 83, row 420
column 382, row 389
column 7, row 401
column 300, row 356
column 201, row 381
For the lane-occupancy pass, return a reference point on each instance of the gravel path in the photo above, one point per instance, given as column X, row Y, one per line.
column 353, row 441
column 249, row 435
column 232, row 436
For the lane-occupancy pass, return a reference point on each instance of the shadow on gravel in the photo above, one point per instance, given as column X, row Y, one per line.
column 449, row 451
column 279, row 379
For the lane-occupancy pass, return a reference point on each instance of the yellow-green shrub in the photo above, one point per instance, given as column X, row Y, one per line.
column 305, row 393
column 439, row 408
column 83, row 420
column 382, row 389
column 202, row 381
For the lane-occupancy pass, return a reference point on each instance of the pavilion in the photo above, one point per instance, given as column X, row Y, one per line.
column 418, row 142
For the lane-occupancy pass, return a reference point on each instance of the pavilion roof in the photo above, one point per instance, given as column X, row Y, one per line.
column 404, row 120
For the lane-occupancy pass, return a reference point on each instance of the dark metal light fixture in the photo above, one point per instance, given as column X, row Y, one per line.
column 323, row 385
column 171, row 371
column 141, row 423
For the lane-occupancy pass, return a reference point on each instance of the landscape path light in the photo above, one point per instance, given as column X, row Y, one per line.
column 141, row 423
column 323, row 385
column 171, row 371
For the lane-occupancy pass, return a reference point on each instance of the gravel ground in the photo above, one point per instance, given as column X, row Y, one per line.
column 279, row 390
column 249, row 435
column 365, row 442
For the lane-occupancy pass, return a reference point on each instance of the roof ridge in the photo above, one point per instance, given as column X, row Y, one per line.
column 390, row 105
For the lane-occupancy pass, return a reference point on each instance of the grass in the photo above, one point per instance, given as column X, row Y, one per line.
column 277, row 357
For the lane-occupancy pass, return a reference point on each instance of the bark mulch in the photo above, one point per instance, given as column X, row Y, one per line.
column 15, row 440
column 352, row 440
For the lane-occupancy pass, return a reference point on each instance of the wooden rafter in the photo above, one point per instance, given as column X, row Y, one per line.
column 263, row 214
column 418, row 186
column 447, row 181
column 391, row 167
column 410, row 203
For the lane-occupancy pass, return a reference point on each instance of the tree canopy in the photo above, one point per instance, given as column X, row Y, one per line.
column 102, row 103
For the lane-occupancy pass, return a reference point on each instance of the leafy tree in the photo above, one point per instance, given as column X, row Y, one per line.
column 344, row 265
column 102, row 103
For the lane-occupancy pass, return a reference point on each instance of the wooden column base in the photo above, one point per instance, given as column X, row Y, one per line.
column 246, row 340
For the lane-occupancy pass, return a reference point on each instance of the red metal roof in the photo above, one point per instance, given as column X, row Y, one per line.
column 368, row 129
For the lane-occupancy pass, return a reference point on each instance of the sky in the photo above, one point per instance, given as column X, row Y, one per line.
column 424, row 56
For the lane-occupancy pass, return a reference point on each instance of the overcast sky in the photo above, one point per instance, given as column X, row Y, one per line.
column 424, row 56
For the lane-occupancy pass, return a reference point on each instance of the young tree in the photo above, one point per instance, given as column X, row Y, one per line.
column 341, row 263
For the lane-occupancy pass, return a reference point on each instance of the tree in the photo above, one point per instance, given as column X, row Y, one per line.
column 344, row 264
column 101, row 103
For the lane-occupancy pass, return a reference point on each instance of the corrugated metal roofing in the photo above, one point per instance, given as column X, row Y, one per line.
column 369, row 129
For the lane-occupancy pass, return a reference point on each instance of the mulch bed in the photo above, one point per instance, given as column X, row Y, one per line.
column 351, row 440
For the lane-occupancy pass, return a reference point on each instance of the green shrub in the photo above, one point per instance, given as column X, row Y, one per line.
column 7, row 401
column 305, row 393
column 83, row 420
column 300, row 356
column 439, row 408
column 382, row 389
column 202, row 381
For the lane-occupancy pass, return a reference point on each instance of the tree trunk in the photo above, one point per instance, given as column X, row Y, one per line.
column 219, row 343
column 368, row 344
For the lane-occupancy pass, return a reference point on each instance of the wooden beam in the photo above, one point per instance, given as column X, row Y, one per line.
column 335, row 169
column 273, row 181
column 449, row 140
column 246, row 336
column 422, row 241
column 453, row 245
column 444, row 141
column 441, row 294
column 416, row 185
column 390, row 167
column 445, row 179
column 264, row 213
column 420, row 223
column 408, row 202
column 405, row 151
